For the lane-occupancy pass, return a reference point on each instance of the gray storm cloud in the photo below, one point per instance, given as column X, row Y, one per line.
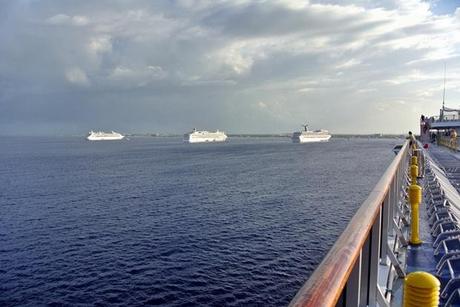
column 242, row 66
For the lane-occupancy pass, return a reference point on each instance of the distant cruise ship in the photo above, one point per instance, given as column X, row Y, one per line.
column 204, row 136
column 307, row 136
column 104, row 136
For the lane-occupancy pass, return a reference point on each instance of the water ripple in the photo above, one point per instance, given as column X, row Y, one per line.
column 157, row 222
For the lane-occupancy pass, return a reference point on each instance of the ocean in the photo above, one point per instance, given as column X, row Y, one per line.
column 154, row 221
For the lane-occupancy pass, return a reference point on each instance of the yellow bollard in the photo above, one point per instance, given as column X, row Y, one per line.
column 421, row 289
column 413, row 160
column 413, row 173
column 415, row 198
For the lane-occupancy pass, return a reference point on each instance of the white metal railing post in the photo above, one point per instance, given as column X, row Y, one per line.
column 374, row 260
column 364, row 276
column 385, row 213
column 392, row 204
column 399, row 178
column 354, row 284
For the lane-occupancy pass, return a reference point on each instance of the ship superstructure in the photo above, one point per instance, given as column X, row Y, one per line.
column 104, row 136
column 197, row 136
column 308, row 136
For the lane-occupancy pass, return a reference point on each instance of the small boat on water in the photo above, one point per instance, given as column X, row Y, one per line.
column 104, row 136
column 196, row 136
column 308, row 136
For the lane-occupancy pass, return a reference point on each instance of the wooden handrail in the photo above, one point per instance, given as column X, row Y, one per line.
column 325, row 286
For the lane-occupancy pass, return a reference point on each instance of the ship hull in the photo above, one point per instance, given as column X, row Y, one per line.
column 204, row 137
column 310, row 139
column 192, row 139
column 105, row 138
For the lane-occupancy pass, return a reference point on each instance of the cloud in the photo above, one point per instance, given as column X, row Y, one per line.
column 250, row 66
column 256, row 19
column 348, row 64
column 261, row 104
column 77, row 76
column 63, row 19
column 99, row 45
column 137, row 77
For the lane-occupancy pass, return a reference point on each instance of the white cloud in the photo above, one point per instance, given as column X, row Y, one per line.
column 294, row 4
column 77, row 76
column 366, row 90
column 261, row 104
column 80, row 20
column 100, row 44
column 63, row 19
column 305, row 90
column 234, row 57
column 137, row 76
column 348, row 64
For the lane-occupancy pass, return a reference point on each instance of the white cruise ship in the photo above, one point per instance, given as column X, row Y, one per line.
column 307, row 136
column 204, row 136
column 104, row 136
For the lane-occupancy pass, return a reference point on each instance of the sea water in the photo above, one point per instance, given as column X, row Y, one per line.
column 159, row 222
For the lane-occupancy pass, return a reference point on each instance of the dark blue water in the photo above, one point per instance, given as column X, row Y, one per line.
column 154, row 221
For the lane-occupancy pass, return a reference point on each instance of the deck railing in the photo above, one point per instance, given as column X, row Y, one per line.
column 348, row 275
column 448, row 117
column 448, row 142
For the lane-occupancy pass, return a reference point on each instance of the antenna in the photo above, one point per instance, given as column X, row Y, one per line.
column 444, row 90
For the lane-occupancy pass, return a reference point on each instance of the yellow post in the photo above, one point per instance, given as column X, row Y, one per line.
column 415, row 198
column 421, row 289
column 413, row 173
column 413, row 160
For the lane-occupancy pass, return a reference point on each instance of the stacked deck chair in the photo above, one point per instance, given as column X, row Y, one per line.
column 443, row 208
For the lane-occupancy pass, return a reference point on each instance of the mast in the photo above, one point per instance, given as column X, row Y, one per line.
column 444, row 90
column 441, row 117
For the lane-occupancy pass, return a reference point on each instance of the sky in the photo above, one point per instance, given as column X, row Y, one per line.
column 67, row 67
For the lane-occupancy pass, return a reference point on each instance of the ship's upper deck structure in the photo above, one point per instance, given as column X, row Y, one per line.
column 448, row 118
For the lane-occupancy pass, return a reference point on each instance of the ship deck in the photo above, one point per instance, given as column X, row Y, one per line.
column 439, row 254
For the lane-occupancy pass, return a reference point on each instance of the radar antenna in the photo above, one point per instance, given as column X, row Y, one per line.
column 305, row 127
column 444, row 90
column 444, row 108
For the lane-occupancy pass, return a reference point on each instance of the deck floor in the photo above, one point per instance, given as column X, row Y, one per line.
column 421, row 257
